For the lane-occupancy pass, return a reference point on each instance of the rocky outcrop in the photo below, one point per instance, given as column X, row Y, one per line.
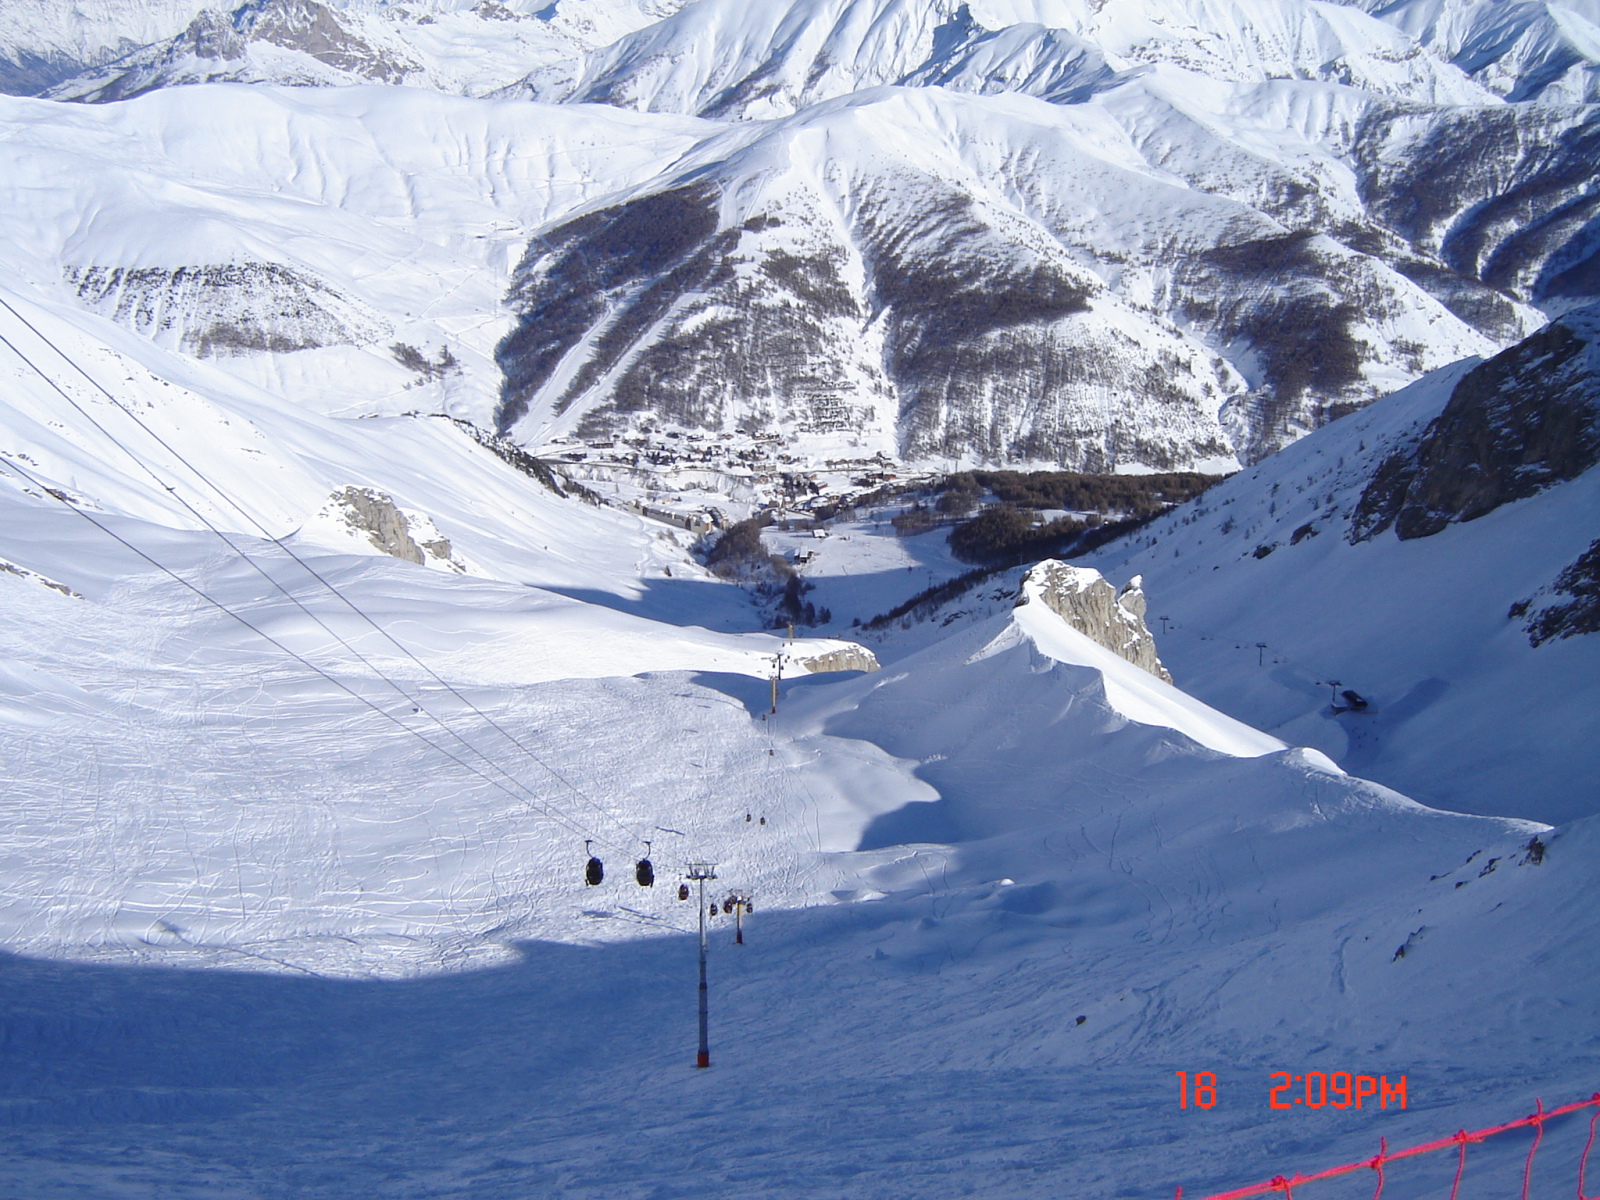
column 1082, row 597
column 848, row 657
column 375, row 514
column 1570, row 605
column 412, row 538
column 1514, row 425
column 11, row 568
column 227, row 309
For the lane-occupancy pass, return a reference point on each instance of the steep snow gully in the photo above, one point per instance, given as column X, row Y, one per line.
column 320, row 680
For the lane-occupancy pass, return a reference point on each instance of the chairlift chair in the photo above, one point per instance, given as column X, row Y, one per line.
column 643, row 871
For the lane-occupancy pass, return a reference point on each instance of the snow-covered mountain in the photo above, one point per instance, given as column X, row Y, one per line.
column 299, row 237
column 1535, row 50
column 720, row 58
column 121, row 48
column 43, row 42
column 1272, row 214
column 859, row 220
column 1434, row 554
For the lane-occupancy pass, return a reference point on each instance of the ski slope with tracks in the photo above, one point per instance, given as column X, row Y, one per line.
column 314, row 696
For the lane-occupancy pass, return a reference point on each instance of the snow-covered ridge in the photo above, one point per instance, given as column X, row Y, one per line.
column 113, row 49
column 1524, row 51
column 1132, row 691
column 1273, row 213
column 724, row 58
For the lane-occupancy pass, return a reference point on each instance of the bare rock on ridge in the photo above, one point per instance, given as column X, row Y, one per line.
column 1524, row 420
column 1082, row 597
column 849, row 656
column 227, row 309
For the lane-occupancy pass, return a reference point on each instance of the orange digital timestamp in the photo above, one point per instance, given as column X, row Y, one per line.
column 1335, row 1089
column 1203, row 1091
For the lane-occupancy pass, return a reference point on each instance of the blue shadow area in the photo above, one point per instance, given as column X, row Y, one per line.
column 919, row 821
column 723, row 607
column 756, row 694
column 566, row 1073
column 729, row 608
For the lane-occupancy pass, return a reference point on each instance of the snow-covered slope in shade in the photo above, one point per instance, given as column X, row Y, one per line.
column 1288, row 577
column 1525, row 51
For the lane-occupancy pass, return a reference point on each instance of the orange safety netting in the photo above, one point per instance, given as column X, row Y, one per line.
column 1461, row 1138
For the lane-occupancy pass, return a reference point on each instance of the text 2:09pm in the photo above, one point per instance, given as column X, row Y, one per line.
column 1338, row 1089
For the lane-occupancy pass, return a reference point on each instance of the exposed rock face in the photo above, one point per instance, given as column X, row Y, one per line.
column 11, row 568
column 413, row 538
column 1082, row 597
column 1571, row 604
column 227, row 309
column 849, row 657
column 375, row 514
column 1516, row 424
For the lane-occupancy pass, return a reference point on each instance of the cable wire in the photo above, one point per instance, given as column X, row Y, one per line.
column 577, row 791
column 221, row 535
column 559, row 818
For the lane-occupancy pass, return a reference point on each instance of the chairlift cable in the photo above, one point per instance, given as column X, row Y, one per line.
column 644, row 868
column 267, row 637
column 577, row 791
column 226, row 540
column 279, row 542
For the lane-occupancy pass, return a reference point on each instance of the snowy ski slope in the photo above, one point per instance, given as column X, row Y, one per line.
column 961, row 854
column 291, row 892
